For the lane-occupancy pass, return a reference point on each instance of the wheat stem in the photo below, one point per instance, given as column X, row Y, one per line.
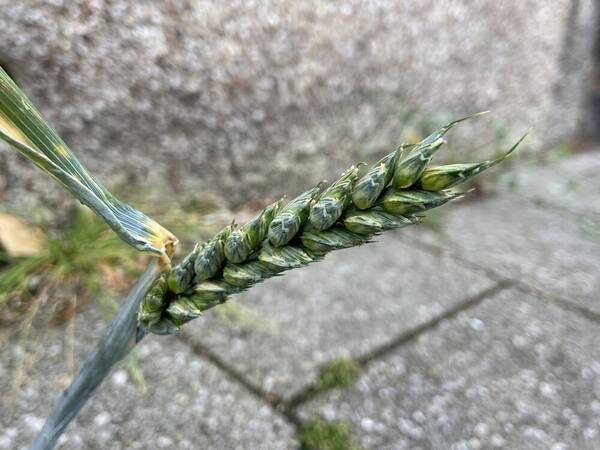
column 118, row 339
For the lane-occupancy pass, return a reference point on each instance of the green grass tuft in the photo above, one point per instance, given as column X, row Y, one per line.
column 321, row 435
column 339, row 373
column 75, row 256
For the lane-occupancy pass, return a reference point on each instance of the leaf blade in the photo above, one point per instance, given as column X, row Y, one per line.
column 23, row 127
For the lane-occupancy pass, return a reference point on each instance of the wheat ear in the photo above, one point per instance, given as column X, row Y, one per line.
column 390, row 195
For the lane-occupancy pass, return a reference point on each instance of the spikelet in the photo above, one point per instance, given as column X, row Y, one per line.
column 293, row 217
column 370, row 186
column 444, row 177
column 183, row 309
column 165, row 325
column 332, row 202
column 242, row 242
column 203, row 262
column 150, row 309
column 247, row 274
column 189, row 306
column 285, row 258
column 409, row 168
column 181, row 275
column 210, row 293
column 411, row 202
column 375, row 220
column 332, row 239
column 236, row 259
column 211, row 255
column 204, row 296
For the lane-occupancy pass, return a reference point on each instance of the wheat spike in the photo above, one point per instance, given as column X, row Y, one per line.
column 280, row 238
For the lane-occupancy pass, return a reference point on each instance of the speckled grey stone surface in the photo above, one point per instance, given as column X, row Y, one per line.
column 537, row 246
column 514, row 372
column 246, row 99
column 188, row 404
column 570, row 185
column 350, row 303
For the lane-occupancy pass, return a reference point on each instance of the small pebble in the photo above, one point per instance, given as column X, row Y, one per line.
column 102, row 419
column 164, row 442
column 119, row 378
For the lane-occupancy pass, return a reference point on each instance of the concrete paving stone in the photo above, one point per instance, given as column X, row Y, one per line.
column 188, row 404
column 513, row 372
column 570, row 184
column 537, row 246
column 346, row 305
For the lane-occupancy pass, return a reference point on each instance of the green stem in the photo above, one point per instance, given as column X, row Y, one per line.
column 119, row 338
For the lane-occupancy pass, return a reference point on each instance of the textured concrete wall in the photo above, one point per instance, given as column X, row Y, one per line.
column 590, row 121
column 253, row 98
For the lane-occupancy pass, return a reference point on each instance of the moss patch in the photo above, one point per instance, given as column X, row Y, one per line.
column 321, row 435
column 339, row 373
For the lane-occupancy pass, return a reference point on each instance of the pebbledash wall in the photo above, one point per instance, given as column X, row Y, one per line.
column 248, row 99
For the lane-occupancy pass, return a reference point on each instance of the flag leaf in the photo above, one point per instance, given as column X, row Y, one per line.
column 23, row 127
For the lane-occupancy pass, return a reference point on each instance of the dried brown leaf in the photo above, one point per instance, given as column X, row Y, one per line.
column 19, row 239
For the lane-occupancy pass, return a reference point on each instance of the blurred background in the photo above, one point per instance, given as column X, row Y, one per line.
column 478, row 329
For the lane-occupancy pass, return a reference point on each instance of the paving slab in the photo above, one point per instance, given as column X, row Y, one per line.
column 513, row 372
column 570, row 184
column 350, row 303
column 188, row 403
column 539, row 247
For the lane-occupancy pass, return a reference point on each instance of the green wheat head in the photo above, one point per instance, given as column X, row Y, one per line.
column 390, row 195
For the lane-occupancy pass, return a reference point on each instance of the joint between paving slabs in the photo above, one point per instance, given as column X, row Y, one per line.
column 364, row 360
column 559, row 302
column 287, row 408
column 273, row 400
column 204, row 352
